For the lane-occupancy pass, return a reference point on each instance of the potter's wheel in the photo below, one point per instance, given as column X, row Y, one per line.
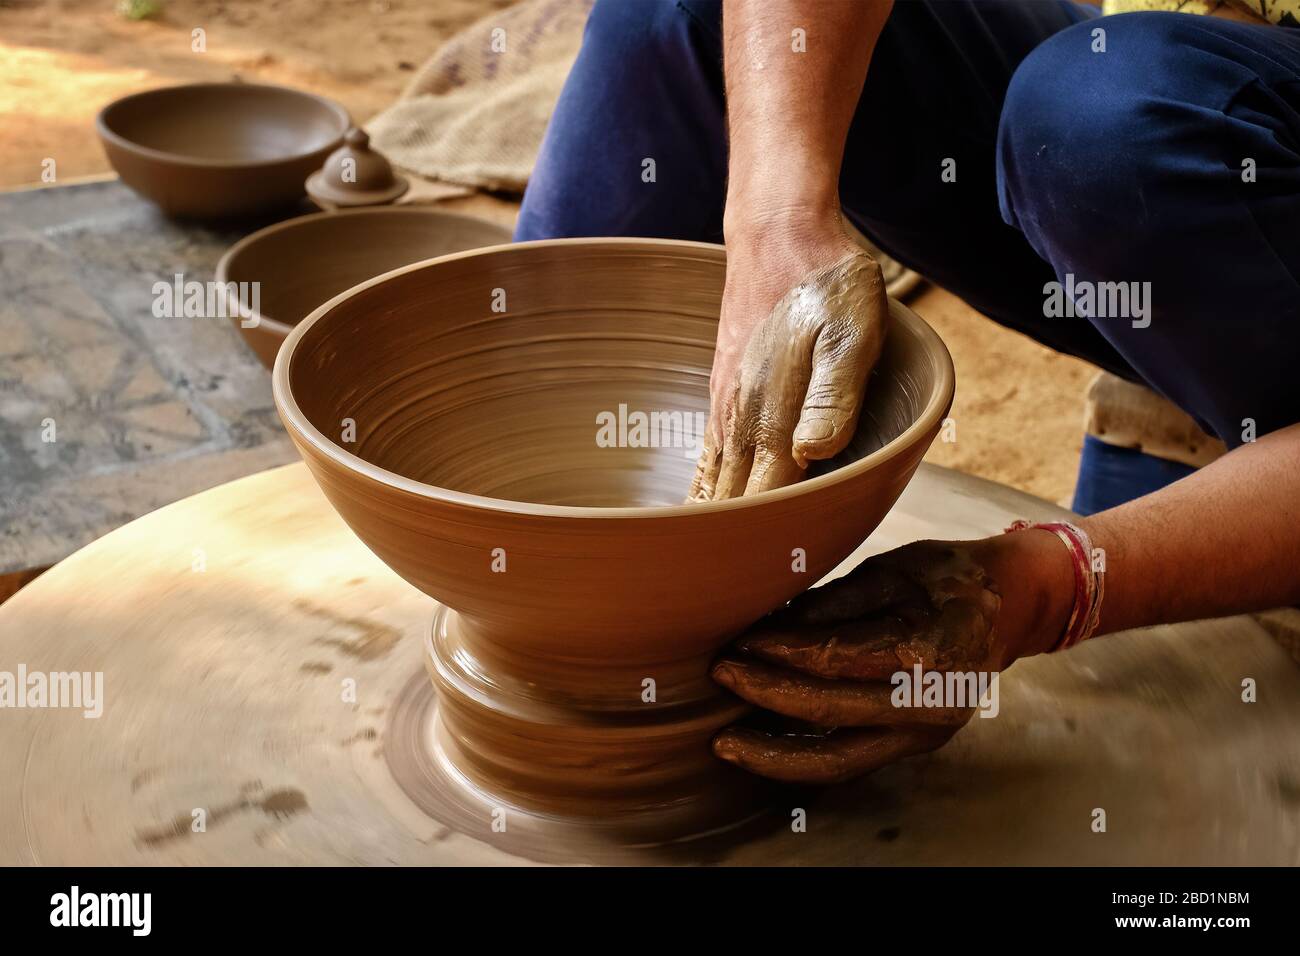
column 224, row 690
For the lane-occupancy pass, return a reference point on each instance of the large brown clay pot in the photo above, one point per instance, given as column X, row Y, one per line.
column 449, row 411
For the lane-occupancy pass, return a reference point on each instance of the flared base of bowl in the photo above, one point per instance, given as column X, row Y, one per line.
column 556, row 783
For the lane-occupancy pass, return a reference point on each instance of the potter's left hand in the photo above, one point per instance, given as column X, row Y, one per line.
column 824, row 662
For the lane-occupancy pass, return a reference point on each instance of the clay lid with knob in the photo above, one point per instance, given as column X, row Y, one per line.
column 355, row 175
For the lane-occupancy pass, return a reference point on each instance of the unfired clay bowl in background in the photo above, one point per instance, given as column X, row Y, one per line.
column 460, row 444
column 220, row 150
column 304, row 262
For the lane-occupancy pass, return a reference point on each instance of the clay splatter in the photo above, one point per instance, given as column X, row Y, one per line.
column 373, row 640
column 278, row 804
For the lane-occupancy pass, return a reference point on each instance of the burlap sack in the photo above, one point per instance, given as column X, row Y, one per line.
column 475, row 113
column 1133, row 416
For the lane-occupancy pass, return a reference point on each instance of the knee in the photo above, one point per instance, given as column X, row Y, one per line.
column 646, row 84
column 638, row 52
column 1084, row 114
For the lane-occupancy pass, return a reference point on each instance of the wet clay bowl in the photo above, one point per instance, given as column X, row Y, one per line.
column 302, row 263
column 451, row 413
column 220, row 150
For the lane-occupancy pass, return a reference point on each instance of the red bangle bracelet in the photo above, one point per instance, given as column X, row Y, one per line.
column 1089, row 581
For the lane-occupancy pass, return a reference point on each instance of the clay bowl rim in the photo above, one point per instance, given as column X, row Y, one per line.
column 282, row 328
column 936, row 407
column 107, row 133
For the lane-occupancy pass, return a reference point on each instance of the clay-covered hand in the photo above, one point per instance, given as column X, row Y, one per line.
column 789, row 390
column 824, row 664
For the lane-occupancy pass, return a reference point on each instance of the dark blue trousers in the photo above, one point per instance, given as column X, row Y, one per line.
column 1171, row 159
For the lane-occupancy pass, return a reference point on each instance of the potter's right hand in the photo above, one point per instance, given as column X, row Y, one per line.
column 825, row 667
column 827, row 660
column 803, row 320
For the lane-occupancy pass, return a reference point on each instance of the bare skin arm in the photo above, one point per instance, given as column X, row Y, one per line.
column 1222, row 541
column 787, row 381
column 1225, row 540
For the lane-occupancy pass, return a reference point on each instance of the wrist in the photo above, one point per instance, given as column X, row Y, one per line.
column 782, row 210
column 1033, row 574
column 786, row 244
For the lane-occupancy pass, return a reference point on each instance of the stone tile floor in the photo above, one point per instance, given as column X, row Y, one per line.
column 145, row 410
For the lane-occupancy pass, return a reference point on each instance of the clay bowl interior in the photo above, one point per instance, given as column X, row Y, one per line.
column 476, row 430
column 302, row 263
column 220, row 150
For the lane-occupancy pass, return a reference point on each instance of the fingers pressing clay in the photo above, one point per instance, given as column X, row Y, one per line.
column 736, row 462
column 826, row 702
column 706, row 471
column 823, row 759
column 845, row 351
column 926, row 604
column 957, row 635
column 872, row 586
column 802, row 379
column 772, row 468
column 867, row 649
column 830, row 657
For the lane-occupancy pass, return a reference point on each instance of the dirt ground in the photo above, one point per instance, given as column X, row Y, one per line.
column 1019, row 406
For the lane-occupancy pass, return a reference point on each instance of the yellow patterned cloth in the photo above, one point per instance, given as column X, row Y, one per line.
column 1285, row 12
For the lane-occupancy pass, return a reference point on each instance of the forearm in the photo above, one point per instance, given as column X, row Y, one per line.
column 1225, row 540
column 789, row 112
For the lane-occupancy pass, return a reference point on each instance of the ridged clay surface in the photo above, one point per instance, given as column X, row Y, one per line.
column 573, row 573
